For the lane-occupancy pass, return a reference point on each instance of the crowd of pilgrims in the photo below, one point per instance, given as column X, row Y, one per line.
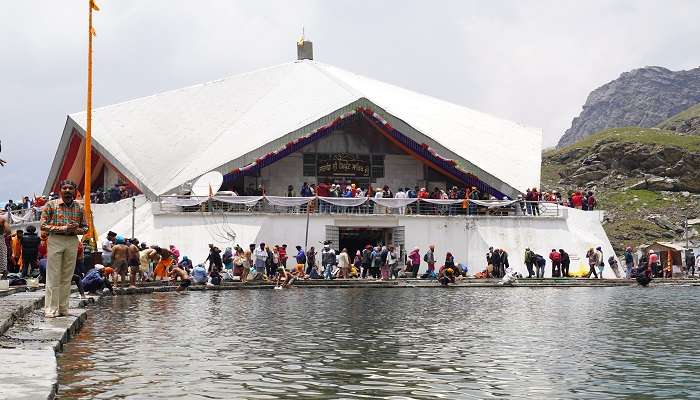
column 126, row 261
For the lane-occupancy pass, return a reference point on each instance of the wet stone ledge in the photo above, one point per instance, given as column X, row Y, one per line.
column 29, row 342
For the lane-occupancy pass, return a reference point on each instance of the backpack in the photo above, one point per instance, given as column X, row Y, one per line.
column 425, row 257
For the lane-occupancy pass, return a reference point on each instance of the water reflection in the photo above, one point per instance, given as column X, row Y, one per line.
column 389, row 343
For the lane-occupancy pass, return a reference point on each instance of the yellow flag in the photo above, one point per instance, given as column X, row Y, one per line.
column 94, row 6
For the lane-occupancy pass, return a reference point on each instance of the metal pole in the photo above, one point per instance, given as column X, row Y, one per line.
column 306, row 236
column 88, row 134
column 133, row 215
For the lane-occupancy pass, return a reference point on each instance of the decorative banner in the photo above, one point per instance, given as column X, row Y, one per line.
column 188, row 201
column 184, row 201
column 18, row 217
column 443, row 201
column 494, row 203
column 288, row 201
column 393, row 203
column 345, row 201
column 342, row 164
column 247, row 200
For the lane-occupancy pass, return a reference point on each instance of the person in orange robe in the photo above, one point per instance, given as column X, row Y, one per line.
column 17, row 249
column 166, row 258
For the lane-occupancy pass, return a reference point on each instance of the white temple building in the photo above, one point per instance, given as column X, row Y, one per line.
column 306, row 121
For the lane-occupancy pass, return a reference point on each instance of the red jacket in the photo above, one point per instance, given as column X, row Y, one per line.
column 323, row 190
column 555, row 256
column 577, row 199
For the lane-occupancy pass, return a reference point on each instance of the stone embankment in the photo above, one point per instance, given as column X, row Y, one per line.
column 29, row 342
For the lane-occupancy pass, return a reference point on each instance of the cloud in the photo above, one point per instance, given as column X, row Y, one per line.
column 532, row 62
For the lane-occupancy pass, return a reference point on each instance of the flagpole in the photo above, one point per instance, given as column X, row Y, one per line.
column 88, row 133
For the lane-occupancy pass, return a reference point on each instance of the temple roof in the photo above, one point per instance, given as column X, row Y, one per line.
column 167, row 139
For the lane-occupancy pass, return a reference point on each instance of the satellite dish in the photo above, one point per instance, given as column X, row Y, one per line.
column 212, row 180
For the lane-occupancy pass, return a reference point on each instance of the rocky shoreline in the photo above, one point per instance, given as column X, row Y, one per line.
column 29, row 342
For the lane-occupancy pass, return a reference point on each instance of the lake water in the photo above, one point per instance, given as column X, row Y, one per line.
column 511, row 343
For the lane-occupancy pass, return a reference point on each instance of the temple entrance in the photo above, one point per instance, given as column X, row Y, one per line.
column 355, row 239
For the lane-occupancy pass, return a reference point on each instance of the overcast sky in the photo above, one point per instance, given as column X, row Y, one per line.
column 529, row 61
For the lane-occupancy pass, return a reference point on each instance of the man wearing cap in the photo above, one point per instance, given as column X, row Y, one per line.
column 95, row 280
column 63, row 219
column 120, row 254
column 654, row 262
column 328, row 259
column 600, row 260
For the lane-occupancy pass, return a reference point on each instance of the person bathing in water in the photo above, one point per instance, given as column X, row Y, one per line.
column 178, row 273
column 284, row 278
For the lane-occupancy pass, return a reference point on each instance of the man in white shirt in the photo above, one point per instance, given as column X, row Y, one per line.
column 107, row 248
column 400, row 194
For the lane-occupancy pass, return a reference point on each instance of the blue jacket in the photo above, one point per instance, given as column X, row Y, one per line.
column 199, row 274
column 301, row 257
column 92, row 281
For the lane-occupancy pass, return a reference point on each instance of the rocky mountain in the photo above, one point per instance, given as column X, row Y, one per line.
column 646, row 179
column 643, row 97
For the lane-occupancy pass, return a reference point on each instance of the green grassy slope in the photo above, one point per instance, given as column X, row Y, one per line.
column 628, row 210
column 634, row 134
column 692, row 112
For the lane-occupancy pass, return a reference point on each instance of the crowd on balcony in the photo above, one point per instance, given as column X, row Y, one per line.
column 28, row 208
column 111, row 195
column 450, row 201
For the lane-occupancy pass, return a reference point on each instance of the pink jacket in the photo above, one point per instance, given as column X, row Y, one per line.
column 414, row 256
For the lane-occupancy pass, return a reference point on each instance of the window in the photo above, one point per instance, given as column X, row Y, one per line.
column 377, row 166
column 309, row 164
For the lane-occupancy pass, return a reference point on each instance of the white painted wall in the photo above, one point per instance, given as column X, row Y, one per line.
column 105, row 216
column 401, row 171
column 468, row 238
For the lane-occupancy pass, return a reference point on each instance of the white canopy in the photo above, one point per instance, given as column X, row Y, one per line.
column 167, row 139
